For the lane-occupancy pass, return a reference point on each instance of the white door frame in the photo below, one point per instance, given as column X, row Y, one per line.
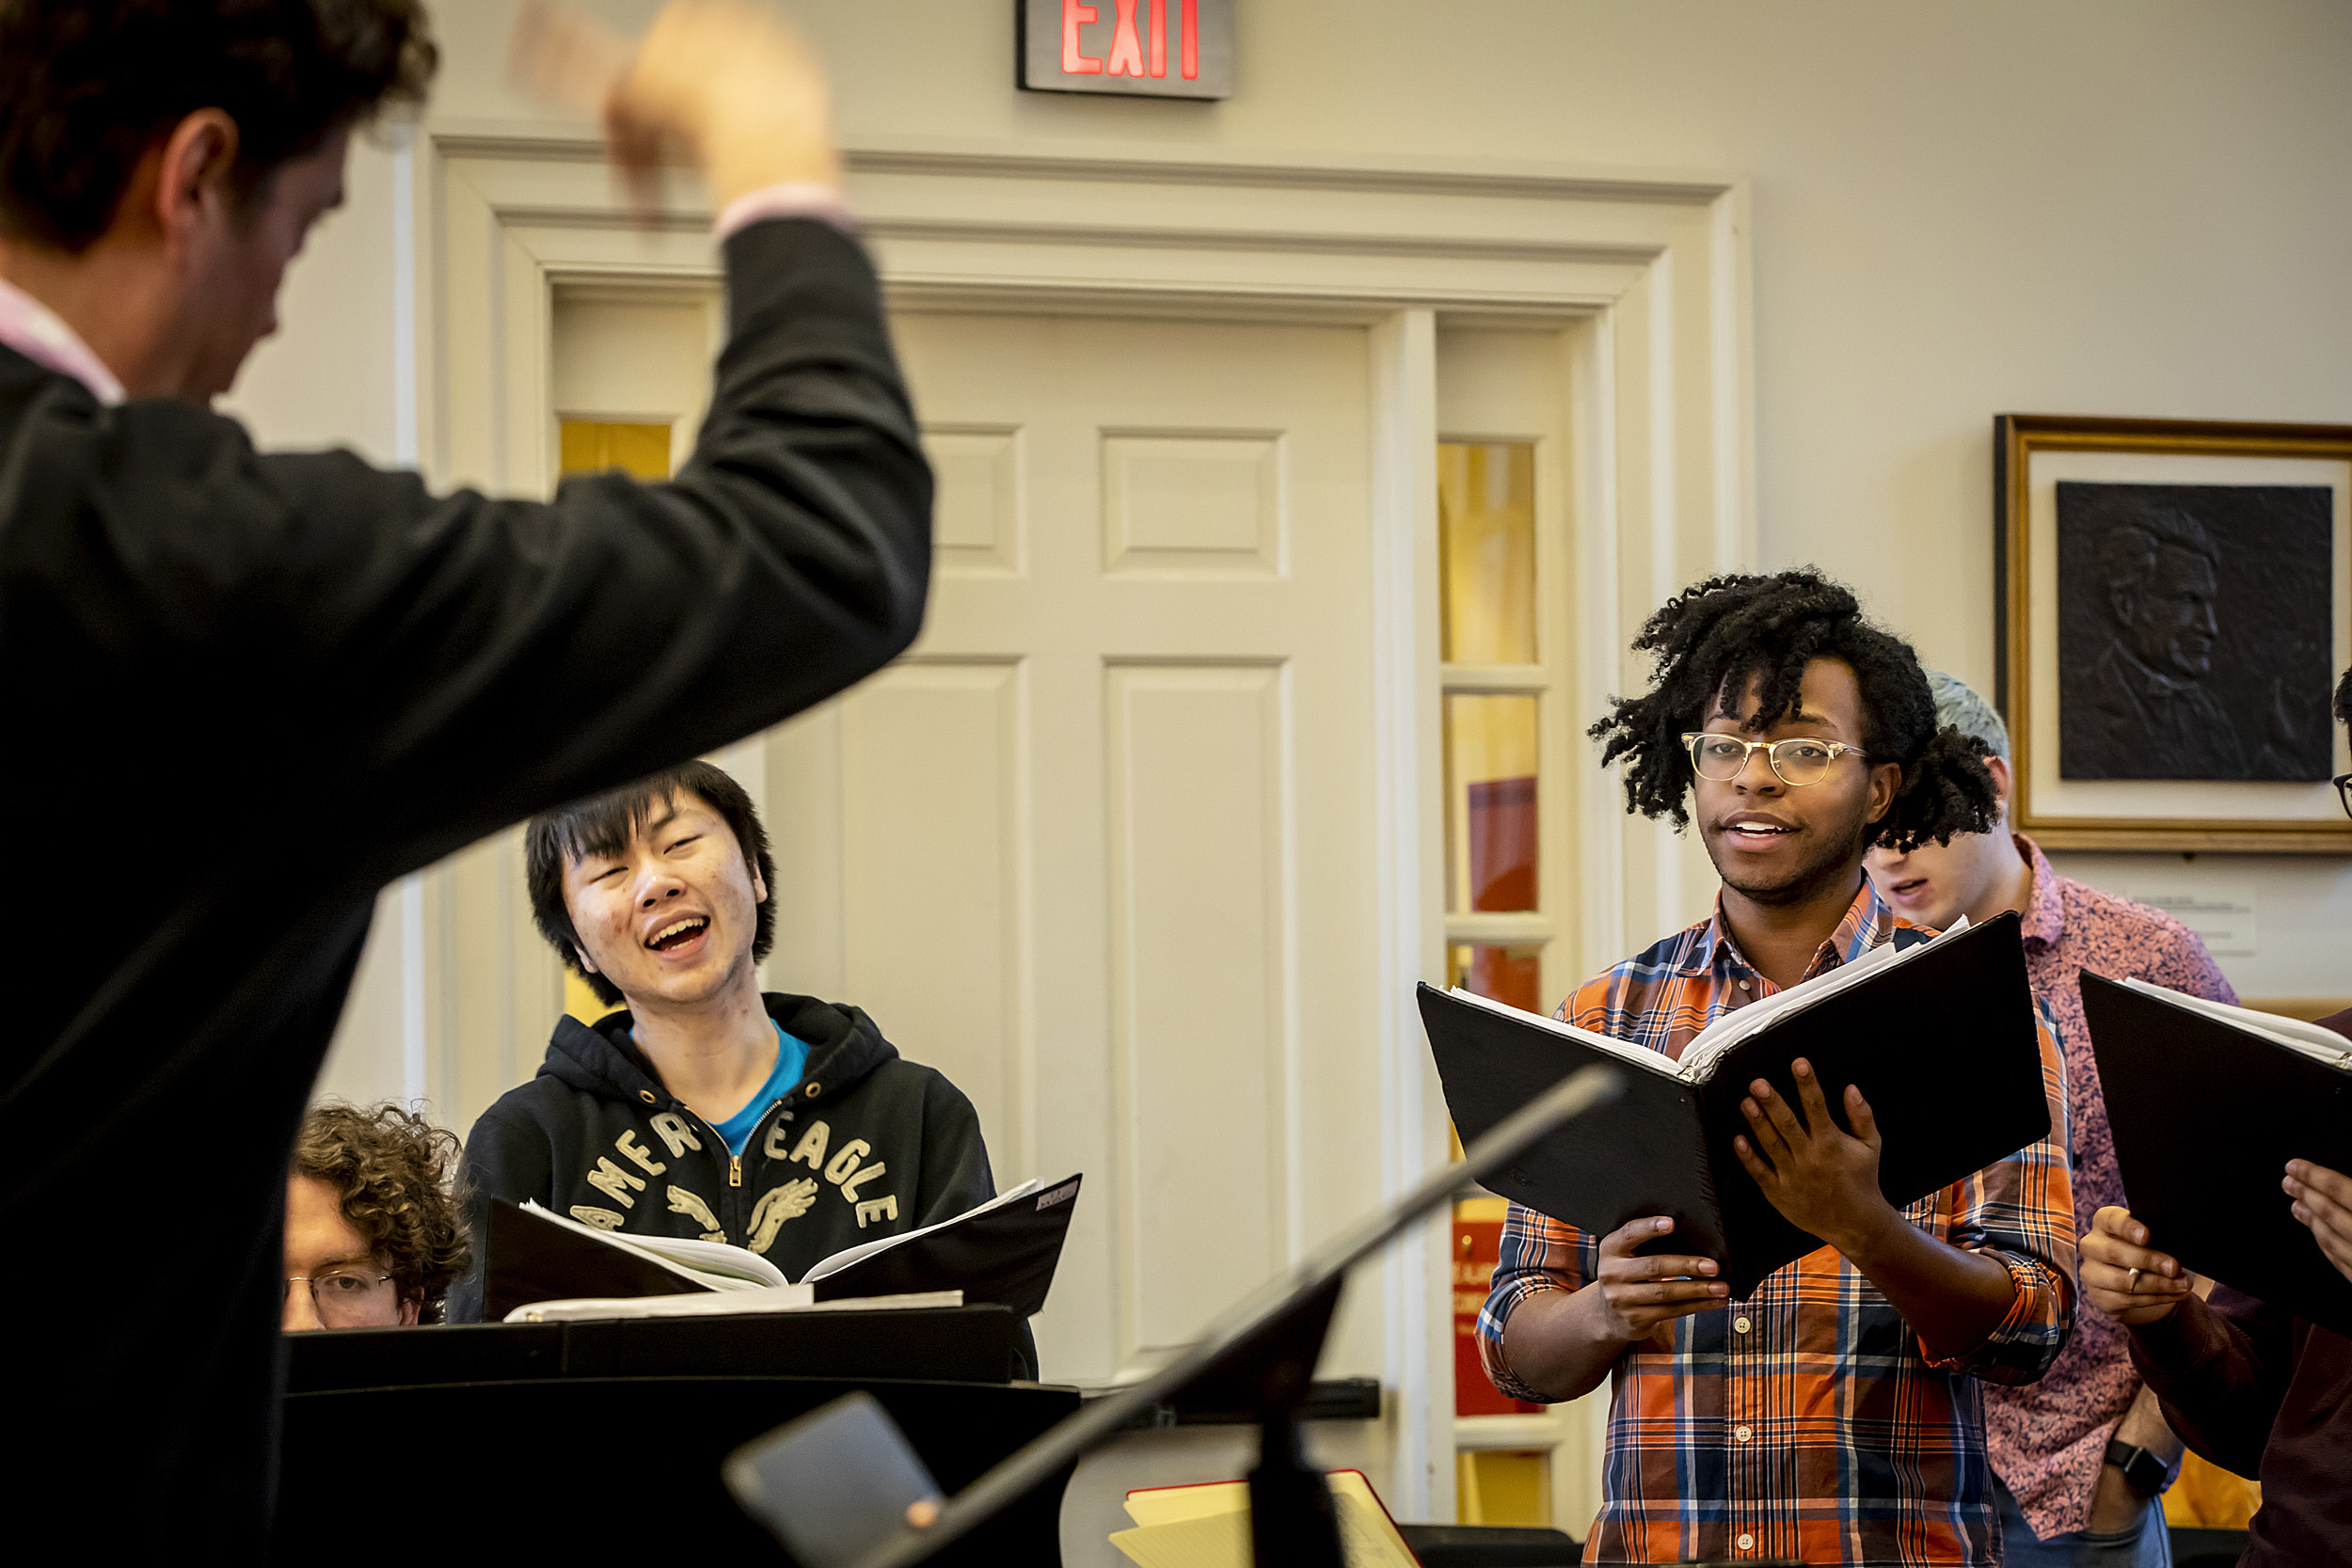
column 1650, row 274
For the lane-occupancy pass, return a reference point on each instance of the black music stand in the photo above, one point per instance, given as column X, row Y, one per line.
column 1258, row 1357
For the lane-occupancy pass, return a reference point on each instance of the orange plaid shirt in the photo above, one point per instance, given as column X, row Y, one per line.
column 1807, row 1421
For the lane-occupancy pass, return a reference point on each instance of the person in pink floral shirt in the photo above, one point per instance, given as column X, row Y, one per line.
column 2080, row 1455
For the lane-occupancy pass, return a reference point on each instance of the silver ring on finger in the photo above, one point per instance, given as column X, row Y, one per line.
column 2131, row 1285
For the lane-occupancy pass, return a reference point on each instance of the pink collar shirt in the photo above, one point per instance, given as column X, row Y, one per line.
column 2046, row 1440
column 37, row 332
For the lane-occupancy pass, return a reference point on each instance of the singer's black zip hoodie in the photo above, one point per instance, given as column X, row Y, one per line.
column 867, row 1143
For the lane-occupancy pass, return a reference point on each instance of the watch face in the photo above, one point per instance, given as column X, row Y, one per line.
column 2143, row 1472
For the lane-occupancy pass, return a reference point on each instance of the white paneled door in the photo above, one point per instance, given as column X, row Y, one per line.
column 1101, row 847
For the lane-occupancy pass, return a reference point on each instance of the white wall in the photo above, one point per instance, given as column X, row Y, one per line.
column 1959, row 208
column 328, row 379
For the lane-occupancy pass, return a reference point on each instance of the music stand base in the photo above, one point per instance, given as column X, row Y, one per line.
column 1292, row 1521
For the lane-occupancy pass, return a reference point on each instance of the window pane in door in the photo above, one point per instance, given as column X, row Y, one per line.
column 1513, row 976
column 1490, row 748
column 1486, row 551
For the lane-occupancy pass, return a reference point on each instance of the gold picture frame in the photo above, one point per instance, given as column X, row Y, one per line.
column 2140, row 462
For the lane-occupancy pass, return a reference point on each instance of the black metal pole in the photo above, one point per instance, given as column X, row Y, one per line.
column 1230, row 1341
column 1290, row 1517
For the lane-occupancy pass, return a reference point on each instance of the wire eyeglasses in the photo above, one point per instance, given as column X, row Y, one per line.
column 1721, row 758
column 345, row 1298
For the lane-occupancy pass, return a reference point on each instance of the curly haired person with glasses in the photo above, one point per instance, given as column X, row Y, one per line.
column 1833, row 1415
column 374, row 1238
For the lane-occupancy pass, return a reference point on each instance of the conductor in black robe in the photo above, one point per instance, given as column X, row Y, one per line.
column 243, row 692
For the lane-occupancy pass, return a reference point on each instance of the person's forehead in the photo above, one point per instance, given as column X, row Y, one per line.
column 305, row 188
column 1829, row 701
column 2183, row 564
column 320, row 171
column 684, row 809
column 680, row 809
column 317, row 1231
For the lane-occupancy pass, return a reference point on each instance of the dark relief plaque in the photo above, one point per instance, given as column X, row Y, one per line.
column 2195, row 631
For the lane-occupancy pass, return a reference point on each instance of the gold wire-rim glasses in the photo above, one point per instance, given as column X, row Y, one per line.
column 338, row 1304
column 1782, row 756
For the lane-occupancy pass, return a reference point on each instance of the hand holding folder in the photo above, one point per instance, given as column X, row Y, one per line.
column 2323, row 1201
column 1940, row 1037
column 2209, row 1102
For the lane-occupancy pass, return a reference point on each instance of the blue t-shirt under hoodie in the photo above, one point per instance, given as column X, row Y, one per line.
column 791, row 1057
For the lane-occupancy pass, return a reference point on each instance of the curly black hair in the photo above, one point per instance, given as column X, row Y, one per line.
column 1711, row 640
column 392, row 1173
column 2344, row 698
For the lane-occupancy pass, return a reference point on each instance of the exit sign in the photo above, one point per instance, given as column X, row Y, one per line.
column 1149, row 48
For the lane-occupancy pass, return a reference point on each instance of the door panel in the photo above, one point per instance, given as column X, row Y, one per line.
column 932, row 840
column 1103, row 839
column 1199, row 916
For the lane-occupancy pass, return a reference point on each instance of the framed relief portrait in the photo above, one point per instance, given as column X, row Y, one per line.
column 2174, row 604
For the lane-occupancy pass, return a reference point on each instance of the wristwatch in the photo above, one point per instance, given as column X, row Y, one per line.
column 2143, row 1472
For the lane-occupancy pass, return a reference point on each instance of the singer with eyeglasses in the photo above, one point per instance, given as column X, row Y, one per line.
column 1833, row 1415
column 374, row 1238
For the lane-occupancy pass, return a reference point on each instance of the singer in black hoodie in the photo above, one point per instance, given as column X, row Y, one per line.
column 706, row 1109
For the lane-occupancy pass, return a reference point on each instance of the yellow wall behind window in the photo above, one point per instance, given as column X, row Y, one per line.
column 1486, row 552
column 2209, row 1498
column 591, row 445
column 1502, row 1486
column 583, row 1004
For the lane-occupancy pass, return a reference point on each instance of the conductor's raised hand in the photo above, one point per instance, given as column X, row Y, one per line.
column 1818, row 1175
column 728, row 85
column 1639, row 1293
column 2323, row 1200
column 2121, row 1276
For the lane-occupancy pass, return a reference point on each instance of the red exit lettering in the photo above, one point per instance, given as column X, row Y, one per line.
column 1075, row 16
column 1126, row 48
column 1126, row 56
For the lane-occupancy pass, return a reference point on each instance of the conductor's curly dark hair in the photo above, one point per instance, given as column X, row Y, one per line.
column 392, row 1173
column 88, row 87
column 1711, row 640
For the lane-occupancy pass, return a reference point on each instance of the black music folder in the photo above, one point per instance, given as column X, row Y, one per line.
column 527, row 1258
column 1938, row 1034
column 2209, row 1102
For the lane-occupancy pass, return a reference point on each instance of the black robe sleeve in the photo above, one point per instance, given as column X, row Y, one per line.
column 245, row 691
column 2220, row 1368
column 434, row 667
